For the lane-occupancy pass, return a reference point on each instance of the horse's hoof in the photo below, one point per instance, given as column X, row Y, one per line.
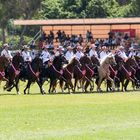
column 91, row 89
column 8, row 90
column 24, row 92
column 18, row 93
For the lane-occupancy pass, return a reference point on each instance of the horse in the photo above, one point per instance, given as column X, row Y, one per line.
column 104, row 72
column 137, row 75
column 84, row 73
column 53, row 72
column 68, row 73
column 31, row 73
column 127, row 72
column 13, row 72
column 113, row 73
column 4, row 62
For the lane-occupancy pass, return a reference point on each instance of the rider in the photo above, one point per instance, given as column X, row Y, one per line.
column 132, row 52
column 122, row 53
column 69, row 54
column 103, row 53
column 79, row 52
column 26, row 54
column 45, row 55
column 5, row 52
column 93, row 51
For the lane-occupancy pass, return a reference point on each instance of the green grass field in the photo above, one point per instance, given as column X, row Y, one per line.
column 108, row 116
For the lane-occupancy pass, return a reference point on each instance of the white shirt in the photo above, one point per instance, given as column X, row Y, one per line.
column 93, row 52
column 45, row 56
column 122, row 54
column 79, row 54
column 138, row 54
column 69, row 55
column 33, row 54
column 131, row 54
column 103, row 54
column 6, row 53
column 26, row 56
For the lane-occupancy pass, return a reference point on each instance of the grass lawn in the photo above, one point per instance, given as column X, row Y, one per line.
column 108, row 116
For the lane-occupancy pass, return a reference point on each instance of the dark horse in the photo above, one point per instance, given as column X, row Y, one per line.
column 84, row 73
column 126, row 73
column 68, row 74
column 53, row 72
column 31, row 72
column 4, row 62
column 13, row 72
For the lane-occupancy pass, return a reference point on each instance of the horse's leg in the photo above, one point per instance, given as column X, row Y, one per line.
column 82, row 81
column 75, row 83
column 61, row 85
column 86, row 85
column 16, row 85
column 27, row 87
column 51, row 81
column 71, row 85
column 99, row 84
column 126, row 84
column 40, row 86
column 112, row 82
column 122, row 81
column 54, row 84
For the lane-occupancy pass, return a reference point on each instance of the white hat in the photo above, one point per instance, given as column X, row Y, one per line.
column 131, row 48
column 79, row 47
column 104, row 47
column 121, row 47
column 5, row 45
column 69, row 47
column 93, row 46
column 61, row 48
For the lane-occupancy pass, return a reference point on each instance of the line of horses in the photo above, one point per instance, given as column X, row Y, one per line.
column 83, row 73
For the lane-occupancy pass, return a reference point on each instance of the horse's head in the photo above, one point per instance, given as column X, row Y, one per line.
column 132, row 62
column 111, row 60
column 17, row 60
column 37, row 62
column 59, row 61
column 4, row 62
column 85, row 60
column 95, row 60
column 75, row 62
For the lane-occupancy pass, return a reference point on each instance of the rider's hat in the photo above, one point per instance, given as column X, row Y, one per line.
column 5, row 45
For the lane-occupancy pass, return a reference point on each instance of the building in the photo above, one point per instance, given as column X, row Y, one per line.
column 99, row 27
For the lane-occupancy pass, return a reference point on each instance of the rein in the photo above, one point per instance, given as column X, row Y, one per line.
column 92, row 72
column 16, row 71
column 2, row 73
column 133, row 69
column 57, row 70
column 35, row 74
column 128, row 73
column 112, row 69
column 68, row 72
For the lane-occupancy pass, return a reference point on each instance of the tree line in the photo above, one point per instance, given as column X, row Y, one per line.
column 56, row 9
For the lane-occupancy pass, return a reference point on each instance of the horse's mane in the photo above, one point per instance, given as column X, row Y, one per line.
column 105, row 59
column 71, row 61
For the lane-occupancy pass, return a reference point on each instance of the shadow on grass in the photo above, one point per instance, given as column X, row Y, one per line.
column 72, row 93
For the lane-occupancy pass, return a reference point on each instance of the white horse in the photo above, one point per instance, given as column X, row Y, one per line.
column 104, row 72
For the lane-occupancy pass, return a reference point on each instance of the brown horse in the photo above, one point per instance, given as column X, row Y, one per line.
column 84, row 73
column 68, row 73
column 4, row 62
column 127, row 72
column 13, row 72
column 104, row 72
